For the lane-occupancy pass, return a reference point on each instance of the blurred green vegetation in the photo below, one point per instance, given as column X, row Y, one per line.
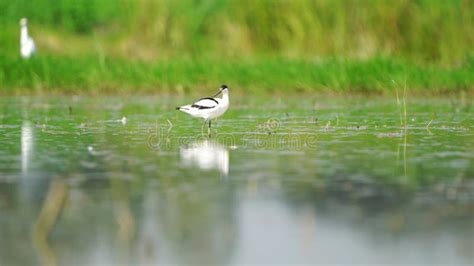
column 78, row 16
column 422, row 38
column 90, row 74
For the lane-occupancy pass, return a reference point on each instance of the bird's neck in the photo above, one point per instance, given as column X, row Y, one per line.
column 225, row 96
column 24, row 34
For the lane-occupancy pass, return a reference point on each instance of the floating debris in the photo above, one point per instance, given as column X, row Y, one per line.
column 429, row 124
column 359, row 127
column 328, row 124
column 170, row 125
column 123, row 120
column 390, row 135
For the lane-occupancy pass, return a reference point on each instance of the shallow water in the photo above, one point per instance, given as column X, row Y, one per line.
column 280, row 181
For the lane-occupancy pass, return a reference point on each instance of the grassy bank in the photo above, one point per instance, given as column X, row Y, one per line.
column 259, row 46
column 104, row 75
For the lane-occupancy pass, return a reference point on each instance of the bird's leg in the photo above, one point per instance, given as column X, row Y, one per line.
column 209, row 129
column 205, row 120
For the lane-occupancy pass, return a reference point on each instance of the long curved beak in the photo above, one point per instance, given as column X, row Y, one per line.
column 220, row 90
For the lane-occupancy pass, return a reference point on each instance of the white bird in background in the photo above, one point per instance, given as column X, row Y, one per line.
column 209, row 107
column 27, row 45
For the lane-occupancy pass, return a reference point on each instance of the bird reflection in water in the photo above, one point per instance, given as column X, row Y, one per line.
column 206, row 155
column 26, row 146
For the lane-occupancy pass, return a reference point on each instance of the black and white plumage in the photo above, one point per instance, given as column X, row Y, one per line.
column 208, row 108
column 27, row 45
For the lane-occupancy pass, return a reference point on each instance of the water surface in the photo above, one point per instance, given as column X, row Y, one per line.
column 280, row 181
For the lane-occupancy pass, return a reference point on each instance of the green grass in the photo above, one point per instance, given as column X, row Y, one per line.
column 422, row 31
column 271, row 75
column 256, row 46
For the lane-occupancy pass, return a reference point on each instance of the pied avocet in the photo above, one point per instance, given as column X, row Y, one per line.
column 27, row 45
column 208, row 108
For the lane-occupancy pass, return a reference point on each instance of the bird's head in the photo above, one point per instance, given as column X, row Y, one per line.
column 23, row 22
column 224, row 88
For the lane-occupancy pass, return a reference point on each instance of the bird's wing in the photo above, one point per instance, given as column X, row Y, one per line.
column 205, row 103
column 33, row 46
